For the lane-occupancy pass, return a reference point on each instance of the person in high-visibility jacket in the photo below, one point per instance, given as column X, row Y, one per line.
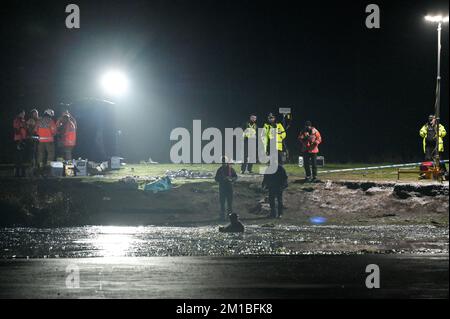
column 310, row 139
column 46, row 130
column 67, row 130
column 250, row 155
column 272, row 130
column 32, row 127
column 428, row 134
column 20, row 136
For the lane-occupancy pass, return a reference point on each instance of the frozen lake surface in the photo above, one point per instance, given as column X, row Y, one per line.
column 152, row 241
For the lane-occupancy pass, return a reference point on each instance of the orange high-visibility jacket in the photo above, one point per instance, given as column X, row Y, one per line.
column 69, row 133
column 310, row 142
column 46, row 129
column 20, row 129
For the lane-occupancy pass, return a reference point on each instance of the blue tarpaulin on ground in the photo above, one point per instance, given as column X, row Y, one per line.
column 164, row 184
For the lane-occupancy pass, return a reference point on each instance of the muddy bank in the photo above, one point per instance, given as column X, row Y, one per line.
column 75, row 202
column 350, row 202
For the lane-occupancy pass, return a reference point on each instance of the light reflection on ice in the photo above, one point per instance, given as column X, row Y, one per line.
column 116, row 241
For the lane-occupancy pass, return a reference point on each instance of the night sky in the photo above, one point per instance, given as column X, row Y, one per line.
column 367, row 90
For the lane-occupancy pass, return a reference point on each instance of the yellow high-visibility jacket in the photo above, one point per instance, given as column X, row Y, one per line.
column 424, row 132
column 268, row 135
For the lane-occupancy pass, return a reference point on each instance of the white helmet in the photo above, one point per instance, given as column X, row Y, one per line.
column 66, row 113
column 49, row 112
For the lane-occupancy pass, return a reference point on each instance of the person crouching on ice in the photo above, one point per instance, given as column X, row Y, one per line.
column 225, row 176
column 235, row 225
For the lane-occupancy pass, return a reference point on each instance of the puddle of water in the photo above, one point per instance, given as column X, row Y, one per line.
column 113, row 241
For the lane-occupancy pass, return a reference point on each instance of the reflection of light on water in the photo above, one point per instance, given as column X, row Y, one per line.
column 114, row 241
column 317, row 220
column 146, row 241
column 118, row 230
column 113, row 244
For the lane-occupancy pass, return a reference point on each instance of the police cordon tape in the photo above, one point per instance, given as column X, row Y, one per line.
column 373, row 167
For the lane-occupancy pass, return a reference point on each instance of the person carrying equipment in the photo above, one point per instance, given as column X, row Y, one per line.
column 272, row 130
column 225, row 176
column 250, row 128
column 433, row 145
column 310, row 139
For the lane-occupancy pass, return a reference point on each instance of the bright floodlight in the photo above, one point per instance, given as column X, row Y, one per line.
column 437, row 19
column 114, row 83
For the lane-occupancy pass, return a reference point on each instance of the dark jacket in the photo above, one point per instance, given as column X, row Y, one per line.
column 276, row 181
column 235, row 227
column 225, row 176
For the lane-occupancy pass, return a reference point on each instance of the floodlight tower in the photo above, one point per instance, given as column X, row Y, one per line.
column 115, row 84
column 439, row 19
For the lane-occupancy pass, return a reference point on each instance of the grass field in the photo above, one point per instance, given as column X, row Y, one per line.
column 389, row 174
column 293, row 170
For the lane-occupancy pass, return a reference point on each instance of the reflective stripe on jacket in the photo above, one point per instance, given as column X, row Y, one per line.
column 250, row 130
column 46, row 129
column 424, row 133
column 268, row 134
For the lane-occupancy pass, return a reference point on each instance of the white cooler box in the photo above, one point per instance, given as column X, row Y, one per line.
column 116, row 162
column 81, row 167
column 56, row 169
